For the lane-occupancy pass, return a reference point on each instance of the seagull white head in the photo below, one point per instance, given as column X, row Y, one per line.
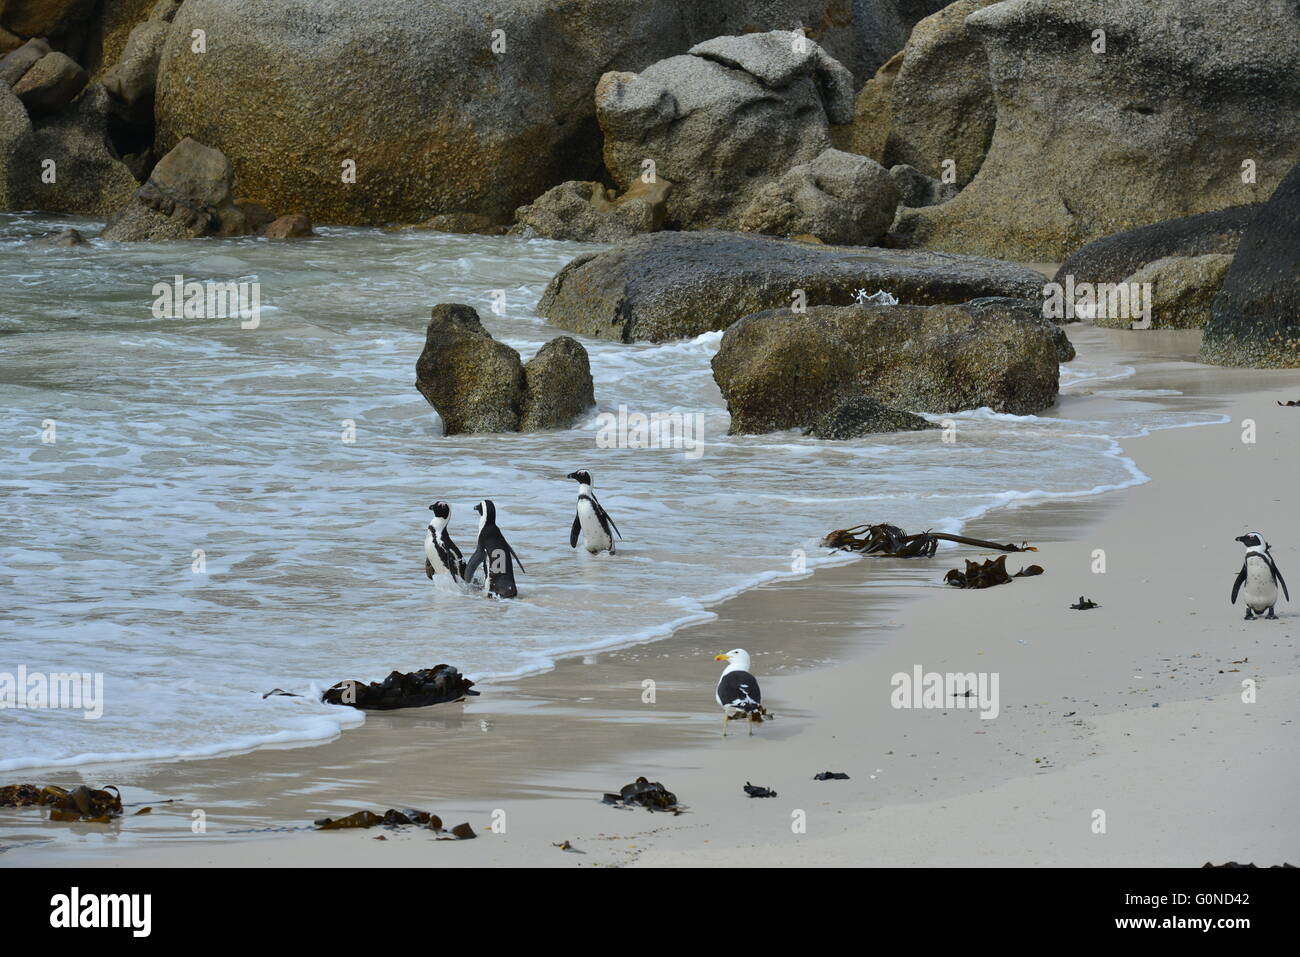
column 737, row 659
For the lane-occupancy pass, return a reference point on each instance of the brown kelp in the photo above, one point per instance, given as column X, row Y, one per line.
column 435, row 685
column 647, row 794
column 890, row 541
column 394, row 818
column 88, row 805
column 993, row 571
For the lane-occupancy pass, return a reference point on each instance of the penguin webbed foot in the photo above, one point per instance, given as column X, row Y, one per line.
column 1270, row 616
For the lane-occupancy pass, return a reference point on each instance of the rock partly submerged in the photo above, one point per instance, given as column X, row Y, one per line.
column 1255, row 319
column 477, row 384
column 781, row 370
column 673, row 285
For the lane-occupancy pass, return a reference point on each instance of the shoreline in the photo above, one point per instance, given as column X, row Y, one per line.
column 586, row 717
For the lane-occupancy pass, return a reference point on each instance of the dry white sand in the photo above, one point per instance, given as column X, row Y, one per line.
column 1133, row 709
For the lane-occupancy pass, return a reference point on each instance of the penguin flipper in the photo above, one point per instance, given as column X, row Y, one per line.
column 1236, row 586
column 573, row 532
column 474, row 562
column 515, row 557
column 428, row 570
column 1277, row 576
column 606, row 521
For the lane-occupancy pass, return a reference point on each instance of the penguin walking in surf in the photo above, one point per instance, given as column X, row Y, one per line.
column 1260, row 576
column 494, row 554
column 441, row 556
column 597, row 528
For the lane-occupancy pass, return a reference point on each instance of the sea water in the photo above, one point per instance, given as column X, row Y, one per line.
column 202, row 512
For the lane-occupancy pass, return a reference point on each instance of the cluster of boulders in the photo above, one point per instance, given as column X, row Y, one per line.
column 757, row 168
column 478, row 384
column 189, row 194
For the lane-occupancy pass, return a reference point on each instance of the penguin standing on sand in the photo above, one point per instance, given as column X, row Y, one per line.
column 494, row 554
column 441, row 556
column 598, row 529
column 1260, row 576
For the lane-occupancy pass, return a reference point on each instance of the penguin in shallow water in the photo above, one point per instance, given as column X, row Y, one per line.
column 1260, row 576
column 598, row 529
column 494, row 554
column 737, row 692
column 441, row 556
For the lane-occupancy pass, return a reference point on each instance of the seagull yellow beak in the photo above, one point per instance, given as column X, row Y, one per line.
column 721, row 658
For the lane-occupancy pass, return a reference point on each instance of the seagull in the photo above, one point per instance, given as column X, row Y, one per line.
column 737, row 692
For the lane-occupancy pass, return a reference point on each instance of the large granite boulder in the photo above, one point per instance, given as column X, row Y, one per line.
column 413, row 91
column 839, row 198
column 558, row 387
column 133, row 78
column 51, row 84
column 868, row 132
column 1158, row 125
column 477, row 384
column 14, row 64
column 189, row 194
column 1182, row 289
column 43, row 18
column 941, row 103
column 678, row 285
column 587, row 212
column 732, row 115
column 781, row 369
column 85, row 177
column 1111, row 258
column 1255, row 320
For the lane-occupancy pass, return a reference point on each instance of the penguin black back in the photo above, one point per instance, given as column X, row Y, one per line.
column 494, row 554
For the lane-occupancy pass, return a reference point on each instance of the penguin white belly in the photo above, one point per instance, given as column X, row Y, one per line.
column 1260, row 590
column 594, row 536
column 431, row 553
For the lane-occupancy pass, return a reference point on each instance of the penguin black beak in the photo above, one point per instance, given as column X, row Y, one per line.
column 1240, row 538
column 479, row 509
column 431, row 508
column 572, row 475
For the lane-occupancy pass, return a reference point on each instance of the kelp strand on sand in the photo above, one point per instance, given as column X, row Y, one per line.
column 87, row 805
column 890, row 541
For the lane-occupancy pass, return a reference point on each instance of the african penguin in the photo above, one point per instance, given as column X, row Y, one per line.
column 737, row 692
column 1260, row 576
column 597, row 528
column 494, row 554
column 441, row 556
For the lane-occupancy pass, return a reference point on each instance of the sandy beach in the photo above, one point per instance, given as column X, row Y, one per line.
column 1134, row 709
